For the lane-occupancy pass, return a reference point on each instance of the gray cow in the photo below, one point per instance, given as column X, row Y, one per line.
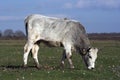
column 60, row 32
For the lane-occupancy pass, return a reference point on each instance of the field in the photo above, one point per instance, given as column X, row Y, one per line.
column 11, row 52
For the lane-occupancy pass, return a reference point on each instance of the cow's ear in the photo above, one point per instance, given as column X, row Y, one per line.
column 96, row 50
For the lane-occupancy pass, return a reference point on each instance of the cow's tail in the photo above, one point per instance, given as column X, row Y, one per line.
column 26, row 26
column 27, row 22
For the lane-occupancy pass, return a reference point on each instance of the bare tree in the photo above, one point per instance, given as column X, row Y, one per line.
column 8, row 33
column 19, row 34
column 0, row 33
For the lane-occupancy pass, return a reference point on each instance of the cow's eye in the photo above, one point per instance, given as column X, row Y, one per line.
column 89, row 56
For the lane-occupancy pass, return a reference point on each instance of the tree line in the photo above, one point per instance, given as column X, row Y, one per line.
column 10, row 34
column 104, row 36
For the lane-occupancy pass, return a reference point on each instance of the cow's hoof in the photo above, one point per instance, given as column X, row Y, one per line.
column 38, row 67
column 62, row 65
column 24, row 66
column 72, row 67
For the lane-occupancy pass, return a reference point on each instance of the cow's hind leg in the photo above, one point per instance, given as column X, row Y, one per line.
column 35, row 49
column 28, row 46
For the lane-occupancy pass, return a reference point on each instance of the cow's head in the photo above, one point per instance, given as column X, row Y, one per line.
column 90, row 57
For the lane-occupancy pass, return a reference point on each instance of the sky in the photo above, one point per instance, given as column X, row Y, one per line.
column 95, row 15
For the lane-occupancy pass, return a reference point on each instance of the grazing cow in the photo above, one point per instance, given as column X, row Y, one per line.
column 59, row 32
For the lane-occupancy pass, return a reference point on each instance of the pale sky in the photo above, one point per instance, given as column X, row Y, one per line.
column 96, row 15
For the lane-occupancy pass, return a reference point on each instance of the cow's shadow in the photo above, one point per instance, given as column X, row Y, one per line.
column 15, row 67
column 20, row 67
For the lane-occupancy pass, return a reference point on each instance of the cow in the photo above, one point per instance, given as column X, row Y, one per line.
column 70, row 34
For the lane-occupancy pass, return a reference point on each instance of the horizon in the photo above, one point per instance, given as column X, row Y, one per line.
column 86, row 32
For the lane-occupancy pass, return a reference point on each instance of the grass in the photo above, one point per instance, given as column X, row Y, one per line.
column 11, row 53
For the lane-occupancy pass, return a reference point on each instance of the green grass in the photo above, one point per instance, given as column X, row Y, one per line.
column 11, row 53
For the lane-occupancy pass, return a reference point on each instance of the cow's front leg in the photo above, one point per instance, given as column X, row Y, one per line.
column 35, row 49
column 69, row 55
column 63, row 59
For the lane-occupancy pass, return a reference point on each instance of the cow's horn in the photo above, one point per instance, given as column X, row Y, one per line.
column 84, row 51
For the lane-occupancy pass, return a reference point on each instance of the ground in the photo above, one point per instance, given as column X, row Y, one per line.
column 11, row 53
